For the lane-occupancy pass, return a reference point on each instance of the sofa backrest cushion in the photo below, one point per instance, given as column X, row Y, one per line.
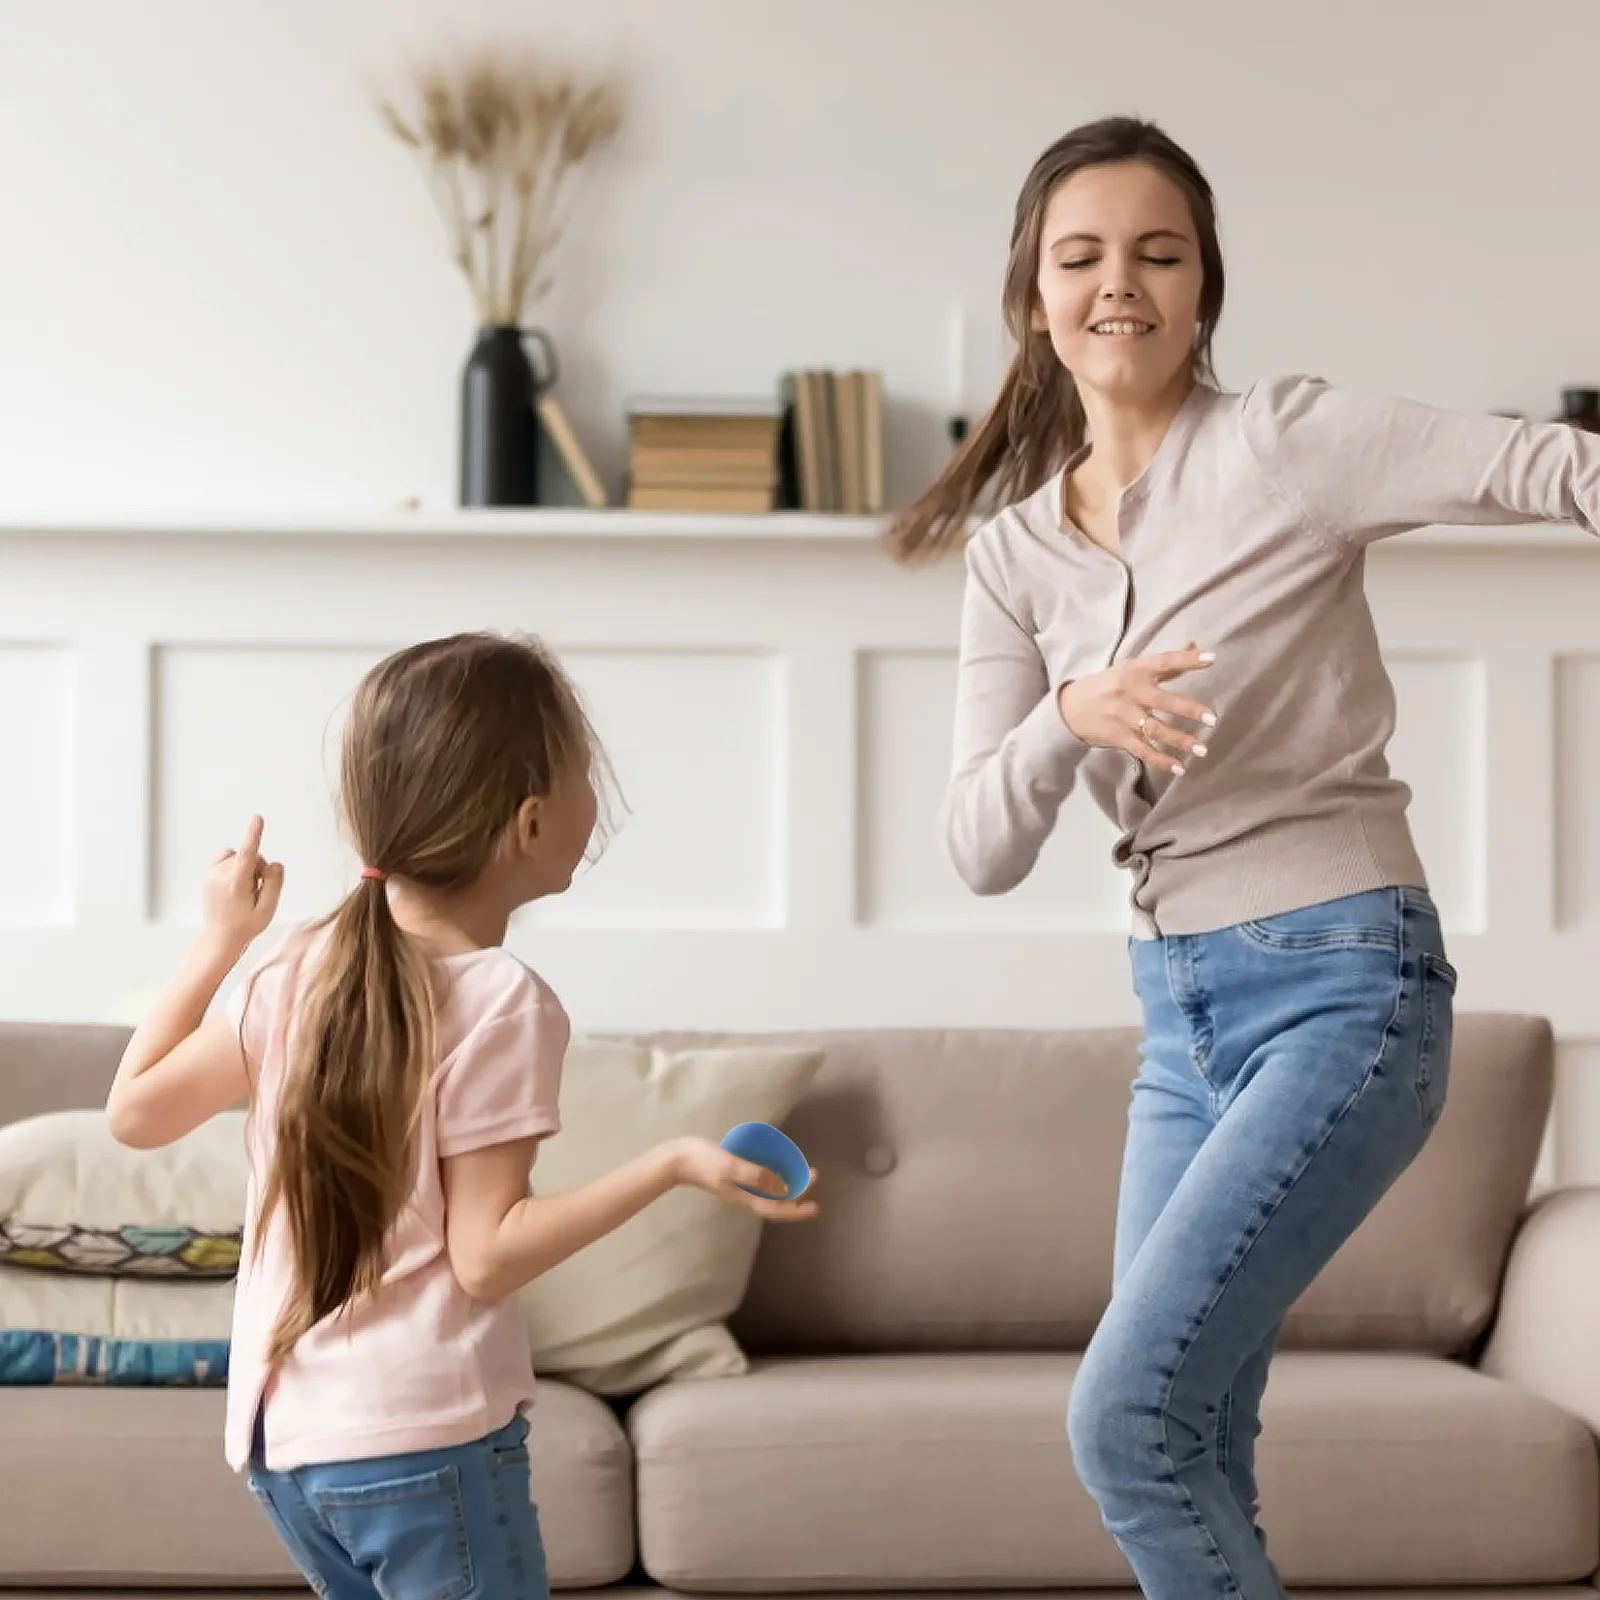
column 968, row 1184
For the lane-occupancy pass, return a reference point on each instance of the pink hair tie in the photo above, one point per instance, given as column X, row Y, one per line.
column 375, row 873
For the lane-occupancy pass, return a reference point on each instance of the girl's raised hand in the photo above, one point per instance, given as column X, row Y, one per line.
column 240, row 895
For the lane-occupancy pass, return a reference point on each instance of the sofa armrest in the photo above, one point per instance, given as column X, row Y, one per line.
column 1546, row 1336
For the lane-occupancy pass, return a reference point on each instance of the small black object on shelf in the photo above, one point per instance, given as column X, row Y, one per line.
column 786, row 496
column 500, row 386
column 1580, row 408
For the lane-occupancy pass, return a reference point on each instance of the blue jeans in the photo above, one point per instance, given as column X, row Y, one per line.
column 1293, row 1068
column 437, row 1525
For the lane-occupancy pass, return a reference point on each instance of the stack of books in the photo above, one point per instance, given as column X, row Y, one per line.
column 691, row 454
column 834, row 441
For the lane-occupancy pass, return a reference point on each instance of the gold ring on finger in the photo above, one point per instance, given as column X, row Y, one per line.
column 1144, row 722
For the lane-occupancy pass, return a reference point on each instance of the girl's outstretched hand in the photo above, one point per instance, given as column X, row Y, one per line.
column 704, row 1165
column 240, row 896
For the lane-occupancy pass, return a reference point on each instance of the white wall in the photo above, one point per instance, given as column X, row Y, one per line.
column 223, row 285
column 224, row 293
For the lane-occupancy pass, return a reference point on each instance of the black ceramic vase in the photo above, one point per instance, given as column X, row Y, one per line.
column 1580, row 408
column 504, row 376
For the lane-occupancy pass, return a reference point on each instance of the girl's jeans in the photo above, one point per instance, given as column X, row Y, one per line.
column 456, row 1524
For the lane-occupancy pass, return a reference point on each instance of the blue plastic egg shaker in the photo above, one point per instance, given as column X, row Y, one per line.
column 763, row 1144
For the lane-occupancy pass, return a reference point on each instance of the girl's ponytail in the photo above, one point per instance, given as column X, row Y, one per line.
column 361, row 1059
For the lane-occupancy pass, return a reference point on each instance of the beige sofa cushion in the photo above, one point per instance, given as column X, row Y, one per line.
column 146, row 1468
column 1577, row 1591
column 73, row 1199
column 968, row 1185
column 56, row 1066
column 1564, row 1591
column 1574, row 1591
column 1424, row 1272
column 933, row 1470
column 1449, row 1476
column 649, row 1300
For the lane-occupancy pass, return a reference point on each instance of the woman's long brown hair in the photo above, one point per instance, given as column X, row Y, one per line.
column 443, row 744
column 1037, row 419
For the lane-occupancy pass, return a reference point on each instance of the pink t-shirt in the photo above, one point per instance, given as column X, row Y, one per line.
column 421, row 1365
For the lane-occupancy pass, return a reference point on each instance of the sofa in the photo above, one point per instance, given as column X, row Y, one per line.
column 1430, row 1423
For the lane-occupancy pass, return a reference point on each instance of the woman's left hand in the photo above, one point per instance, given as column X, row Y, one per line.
column 240, row 896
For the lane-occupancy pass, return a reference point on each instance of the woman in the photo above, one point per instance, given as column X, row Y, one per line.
column 1175, row 611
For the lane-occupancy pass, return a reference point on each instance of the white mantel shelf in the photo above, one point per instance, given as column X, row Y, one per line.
column 545, row 524
column 560, row 525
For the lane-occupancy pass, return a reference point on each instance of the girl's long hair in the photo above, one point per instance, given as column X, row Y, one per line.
column 443, row 744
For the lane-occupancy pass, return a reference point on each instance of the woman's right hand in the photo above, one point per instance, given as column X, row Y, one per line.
column 704, row 1165
column 1126, row 708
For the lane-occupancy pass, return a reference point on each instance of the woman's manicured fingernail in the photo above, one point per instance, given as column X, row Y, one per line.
column 1199, row 750
column 1210, row 719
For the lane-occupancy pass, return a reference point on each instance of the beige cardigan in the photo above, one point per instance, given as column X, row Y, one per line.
column 1246, row 533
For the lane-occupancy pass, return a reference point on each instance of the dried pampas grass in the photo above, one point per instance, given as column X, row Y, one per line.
column 498, row 138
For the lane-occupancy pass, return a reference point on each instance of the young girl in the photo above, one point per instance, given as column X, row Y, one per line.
column 1296, row 994
column 401, row 1069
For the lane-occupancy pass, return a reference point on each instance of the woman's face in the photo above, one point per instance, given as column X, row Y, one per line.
column 1119, row 281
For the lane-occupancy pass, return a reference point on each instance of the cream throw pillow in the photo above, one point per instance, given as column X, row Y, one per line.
column 647, row 1302
column 155, row 1311
column 72, row 1199
column 69, row 1328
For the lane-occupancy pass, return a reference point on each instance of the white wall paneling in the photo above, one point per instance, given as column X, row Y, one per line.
column 776, row 699
column 1576, row 777
column 39, row 713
